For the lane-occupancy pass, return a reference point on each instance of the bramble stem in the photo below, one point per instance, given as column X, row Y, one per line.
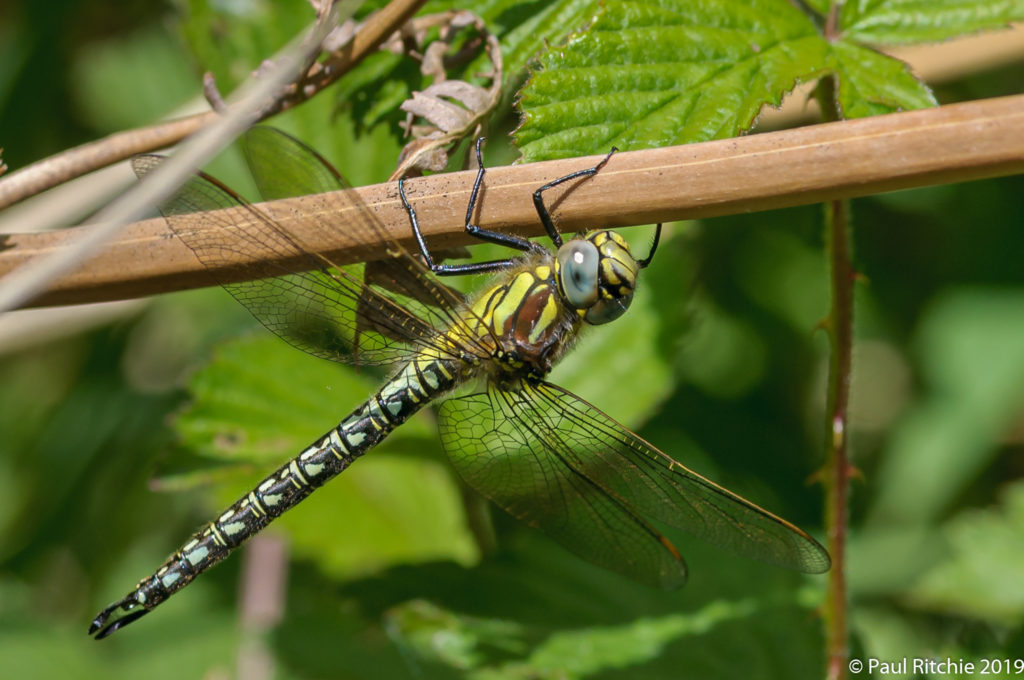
column 836, row 473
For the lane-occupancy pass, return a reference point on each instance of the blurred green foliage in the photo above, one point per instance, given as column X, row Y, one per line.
column 106, row 463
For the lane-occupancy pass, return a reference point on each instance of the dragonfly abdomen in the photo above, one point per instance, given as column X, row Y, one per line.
column 414, row 386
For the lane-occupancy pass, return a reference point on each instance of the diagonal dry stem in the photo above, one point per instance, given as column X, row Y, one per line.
column 808, row 165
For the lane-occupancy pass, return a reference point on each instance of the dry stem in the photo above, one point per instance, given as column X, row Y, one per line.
column 67, row 165
column 808, row 165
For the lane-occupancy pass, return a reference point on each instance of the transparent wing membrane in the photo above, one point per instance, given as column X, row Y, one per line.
column 560, row 464
column 370, row 314
column 503, row 445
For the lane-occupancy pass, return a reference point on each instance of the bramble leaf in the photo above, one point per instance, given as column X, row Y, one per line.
column 646, row 76
column 871, row 83
column 916, row 21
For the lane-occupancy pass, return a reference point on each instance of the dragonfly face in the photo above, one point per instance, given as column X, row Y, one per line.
column 597, row 276
column 541, row 453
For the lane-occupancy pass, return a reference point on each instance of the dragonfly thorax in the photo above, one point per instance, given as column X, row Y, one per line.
column 597, row 275
column 525, row 319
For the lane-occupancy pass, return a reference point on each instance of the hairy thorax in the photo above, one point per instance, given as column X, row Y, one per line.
column 523, row 322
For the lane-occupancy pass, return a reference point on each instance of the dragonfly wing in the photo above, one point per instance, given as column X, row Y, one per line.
column 331, row 312
column 658, row 486
column 283, row 167
column 503, row 444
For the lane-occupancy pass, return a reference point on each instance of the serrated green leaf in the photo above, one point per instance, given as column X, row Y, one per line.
column 530, row 27
column 523, row 30
column 871, row 84
column 984, row 577
column 916, row 21
column 584, row 652
column 650, row 75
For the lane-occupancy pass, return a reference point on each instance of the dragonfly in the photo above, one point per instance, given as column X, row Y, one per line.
column 543, row 454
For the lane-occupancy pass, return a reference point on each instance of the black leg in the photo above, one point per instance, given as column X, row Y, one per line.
column 446, row 269
column 542, row 210
column 654, row 246
column 507, row 240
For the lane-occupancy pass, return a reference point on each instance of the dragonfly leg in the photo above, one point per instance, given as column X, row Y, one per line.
column 654, row 247
column 538, row 197
column 508, row 240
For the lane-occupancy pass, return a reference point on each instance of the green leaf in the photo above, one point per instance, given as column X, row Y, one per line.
column 375, row 88
column 972, row 360
column 583, row 652
column 536, row 611
column 528, row 28
column 653, row 75
column 915, row 21
column 231, row 39
column 260, row 402
column 820, row 6
column 384, row 510
column 871, row 84
column 143, row 72
column 984, row 577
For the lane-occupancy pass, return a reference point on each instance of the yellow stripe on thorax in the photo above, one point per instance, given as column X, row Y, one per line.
column 547, row 317
column 511, row 301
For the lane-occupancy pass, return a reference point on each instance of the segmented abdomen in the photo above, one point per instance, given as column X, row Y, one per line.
column 419, row 382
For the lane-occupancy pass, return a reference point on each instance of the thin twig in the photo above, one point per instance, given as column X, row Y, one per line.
column 952, row 143
column 57, row 169
column 67, row 165
column 26, row 283
column 262, row 593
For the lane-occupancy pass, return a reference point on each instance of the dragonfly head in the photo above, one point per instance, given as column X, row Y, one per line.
column 597, row 275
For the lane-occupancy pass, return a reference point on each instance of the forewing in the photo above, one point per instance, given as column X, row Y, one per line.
column 657, row 486
column 510, row 451
column 283, row 167
column 327, row 311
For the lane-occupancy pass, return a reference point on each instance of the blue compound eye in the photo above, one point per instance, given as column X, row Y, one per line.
column 578, row 262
